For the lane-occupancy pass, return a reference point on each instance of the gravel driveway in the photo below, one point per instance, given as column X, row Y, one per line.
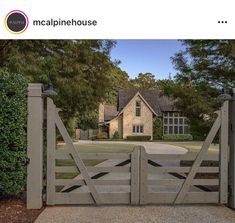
column 132, row 214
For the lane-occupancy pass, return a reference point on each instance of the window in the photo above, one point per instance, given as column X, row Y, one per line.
column 176, row 114
column 138, row 108
column 176, row 121
column 170, row 121
column 165, row 120
column 138, row 129
column 181, row 121
column 165, row 129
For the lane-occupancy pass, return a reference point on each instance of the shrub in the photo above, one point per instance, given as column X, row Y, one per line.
column 116, row 135
column 178, row 137
column 13, row 114
column 93, row 137
column 139, row 138
column 157, row 128
column 102, row 135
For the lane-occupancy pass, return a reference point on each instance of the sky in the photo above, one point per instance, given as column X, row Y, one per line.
column 141, row 56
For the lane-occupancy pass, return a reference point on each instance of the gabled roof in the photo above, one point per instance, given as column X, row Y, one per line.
column 158, row 102
column 110, row 111
column 140, row 96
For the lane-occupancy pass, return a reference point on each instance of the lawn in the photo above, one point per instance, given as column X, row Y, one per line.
column 102, row 148
column 194, row 146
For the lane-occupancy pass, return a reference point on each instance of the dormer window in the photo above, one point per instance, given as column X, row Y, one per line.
column 138, row 108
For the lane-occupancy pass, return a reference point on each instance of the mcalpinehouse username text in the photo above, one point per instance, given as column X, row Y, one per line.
column 62, row 22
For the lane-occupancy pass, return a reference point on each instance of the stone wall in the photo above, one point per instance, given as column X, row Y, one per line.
column 115, row 125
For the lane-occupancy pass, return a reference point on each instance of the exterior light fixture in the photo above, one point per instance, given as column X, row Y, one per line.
column 225, row 95
column 48, row 90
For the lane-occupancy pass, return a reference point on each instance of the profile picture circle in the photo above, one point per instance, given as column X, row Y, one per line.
column 16, row 22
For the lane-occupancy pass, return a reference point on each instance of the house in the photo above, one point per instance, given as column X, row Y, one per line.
column 135, row 111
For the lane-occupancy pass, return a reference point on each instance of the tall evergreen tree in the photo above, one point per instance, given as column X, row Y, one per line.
column 204, row 68
column 80, row 70
column 145, row 81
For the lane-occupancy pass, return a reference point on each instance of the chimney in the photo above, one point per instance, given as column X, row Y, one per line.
column 101, row 111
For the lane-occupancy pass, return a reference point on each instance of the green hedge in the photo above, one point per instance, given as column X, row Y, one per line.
column 116, row 135
column 157, row 129
column 13, row 113
column 139, row 138
column 102, row 135
column 178, row 137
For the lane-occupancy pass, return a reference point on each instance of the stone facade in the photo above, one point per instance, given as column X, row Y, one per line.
column 123, row 123
column 130, row 119
column 134, row 113
column 116, row 124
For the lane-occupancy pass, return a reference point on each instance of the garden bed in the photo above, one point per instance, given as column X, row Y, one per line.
column 14, row 211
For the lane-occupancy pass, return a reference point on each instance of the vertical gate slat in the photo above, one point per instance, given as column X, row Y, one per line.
column 51, row 147
column 224, row 154
column 143, row 176
column 135, row 176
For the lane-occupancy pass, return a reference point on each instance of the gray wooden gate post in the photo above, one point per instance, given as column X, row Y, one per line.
column 224, row 153
column 232, row 152
column 35, row 146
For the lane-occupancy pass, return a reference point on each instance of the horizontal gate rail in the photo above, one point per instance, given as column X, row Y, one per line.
column 161, row 182
column 93, row 156
column 182, row 169
column 72, row 182
column 190, row 197
column 93, row 169
column 85, row 198
column 187, row 156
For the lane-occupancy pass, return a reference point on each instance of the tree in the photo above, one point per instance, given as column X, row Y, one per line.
column 157, row 129
column 145, row 81
column 204, row 68
column 206, row 61
column 80, row 70
column 119, row 80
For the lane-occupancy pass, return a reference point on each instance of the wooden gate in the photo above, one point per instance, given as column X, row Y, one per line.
column 86, row 186
column 136, row 177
